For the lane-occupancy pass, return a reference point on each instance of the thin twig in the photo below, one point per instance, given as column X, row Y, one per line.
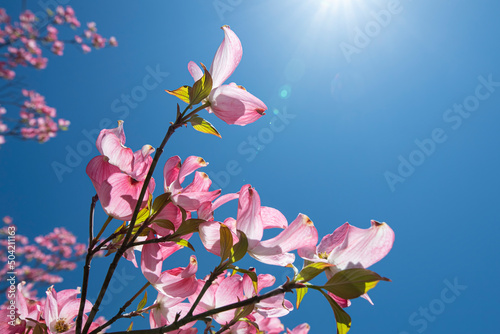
column 120, row 314
column 86, row 267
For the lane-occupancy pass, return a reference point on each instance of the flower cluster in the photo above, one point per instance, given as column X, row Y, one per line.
column 231, row 298
column 36, row 120
column 54, row 314
column 40, row 261
column 167, row 224
column 22, row 44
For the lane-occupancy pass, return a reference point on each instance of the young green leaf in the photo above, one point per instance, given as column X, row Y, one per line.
column 160, row 202
column 201, row 88
column 181, row 92
column 312, row 270
column 189, row 226
column 183, row 243
column 240, row 248
column 142, row 216
column 301, row 292
column 352, row 283
column 226, row 242
column 165, row 223
column 130, row 326
column 143, row 301
column 204, row 126
column 343, row 319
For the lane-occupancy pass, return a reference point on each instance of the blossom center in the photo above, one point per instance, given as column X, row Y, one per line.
column 61, row 325
column 323, row 255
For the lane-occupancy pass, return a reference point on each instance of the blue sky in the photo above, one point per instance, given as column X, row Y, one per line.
column 379, row 110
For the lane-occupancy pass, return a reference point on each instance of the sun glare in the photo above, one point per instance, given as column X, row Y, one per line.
column 345, row 9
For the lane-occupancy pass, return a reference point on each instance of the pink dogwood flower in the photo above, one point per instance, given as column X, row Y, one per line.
column 252, row 219
column 177, row 282
column 351, row 247
column 61, row 310
column 231, row 103
column 191, row 197
column 119, row 174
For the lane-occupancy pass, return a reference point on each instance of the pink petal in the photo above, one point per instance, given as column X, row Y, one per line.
column 248, row 218
column 272, row 218
column 191, row 201
column 210, row 236
column 111, row 144
column 98, row 169
column 179, row 282
column 51, row 312
column 223, row 200
column 201, row 182
column 227, row 58
column 171, row 171
column 195, row 70
column 229, row 291
column 362, row 247
column 70, row 310
column 300, row 329
column 119, row 194
column 276, row 306
column 142, row 162
column 341, row 301
column 301, row 233
column 234, row 105
column 151, row 260
column 189, row 165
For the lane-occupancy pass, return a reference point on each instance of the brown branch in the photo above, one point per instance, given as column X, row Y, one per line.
column 287, row 287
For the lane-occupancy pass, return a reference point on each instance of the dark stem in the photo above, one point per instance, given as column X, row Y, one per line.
column 153, row 241
column 118, row 315
column 178, row 123
column 287, row 287
column 207, row 284
column 86, row 267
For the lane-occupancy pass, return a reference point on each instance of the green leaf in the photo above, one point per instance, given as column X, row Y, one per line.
column 343, row 319
column 160, row 202
column 183, row 243
column 226, row 242
column 240, row 248
column 181, row 92
column 189, row 226
column 165, row 223
column 130, row 326
column 204, row 126
column 250, row 274
column 183, row 213
column 352, row 283
column 142, row 216
column 201, row 88
column 312, row 270
column 301, row 292
column 143, row 301
column 243, row 312
column 39, row 329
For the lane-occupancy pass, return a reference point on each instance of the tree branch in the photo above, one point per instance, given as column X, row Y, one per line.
column 287, row 287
